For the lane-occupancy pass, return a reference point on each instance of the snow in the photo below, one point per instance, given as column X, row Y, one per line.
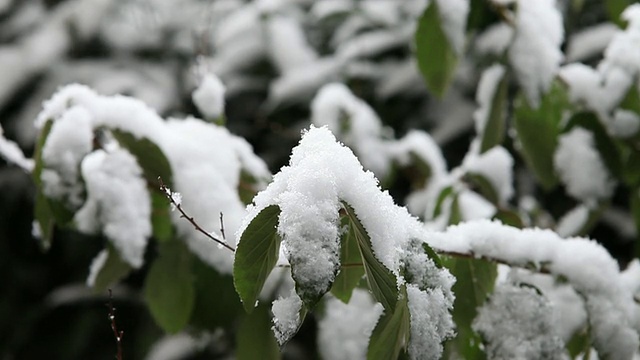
column 535, row 53
column 472, row 206
column 581, row 169
column 586, row 265
column 117, row 202
column 209, row 97
column 96, row 266
column 590, row 41
column 11, row 152
column 286, row 317
column 624, row 124
column 327, row 8
column 345, row 329
column 624, row 50
column 430, row 322
column 453, row 15
column 372, row 43
column 517, row 323
column 496, row 166
column 573, row 221
column 287, row 45
column 487, row 88
column 495, row 40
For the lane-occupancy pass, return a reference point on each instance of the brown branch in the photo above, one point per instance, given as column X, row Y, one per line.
column 222, row 227
column 184, row 215
column 117, row 334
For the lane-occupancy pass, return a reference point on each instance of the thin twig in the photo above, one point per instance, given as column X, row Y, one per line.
column 184, row 215
column 222, row 227
column 117, row 334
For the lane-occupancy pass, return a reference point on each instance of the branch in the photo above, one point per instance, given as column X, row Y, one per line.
column 171, row 196
column 117, row 334
column 542, row 269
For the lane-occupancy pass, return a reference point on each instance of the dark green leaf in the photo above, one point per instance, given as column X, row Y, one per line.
column 42, row 211
column 168, row 288
column 631, row 168
column 579, row 343
column 256, row 255
column 392, row 331
column 247, row 187
column 436, row 58
column 113, row 270
column 216, row 302
column 381, row 280
column 254, row 338
column 615, row 9
column 432, row 255
column 493, row 133
column 605, row 145
column 352, row 270
column 509, row 217
column 456, row 214
column 161, row 217
column 475, row 280
column 538, row 130
column 444, row 194
column 484, row 187
column 150, row 157
column 635, row 211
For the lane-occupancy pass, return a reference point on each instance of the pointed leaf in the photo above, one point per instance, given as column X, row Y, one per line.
column 168, row 288
column 538, row 130
column 493, row 133
column 247, row 187
column 150, row 157
column 42, row 211
column 256, row 255
column 437, row 59
column 392, row 331
column 484, row 186
column 254, row 338
column 160, row 217
column 113, row 270
column 475, row 281
column 352, row 270
column 381, row 280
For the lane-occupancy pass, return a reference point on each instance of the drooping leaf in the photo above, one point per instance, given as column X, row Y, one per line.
column 635, row 212
column 436, row 58
column 216, row 302
column 352, row 270
column 160, row 217
column 444, row 194
column 254, row 338
column 580, row 343
column 509, row 217
column 392, row 331
column 475, row 281
column 493, row 133
column 42, row 211
column 247, row 187
column 615, row 9
column 113, row 270
column 421, row 171
column 484, row 186
column 456, row 213
column 538, row 130
column 631, row 168
column 150, row 157
column 604, row 143
column 256, row 255
column 381, row 280
column 168, row 288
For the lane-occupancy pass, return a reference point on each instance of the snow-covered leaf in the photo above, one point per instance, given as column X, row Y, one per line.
column 475, row 281
column 615, row 8
column 168, row 288
column 496, row 115
column 392, row 331
column 112, row 270
column 484, row 186
column 42, row 212
column 437, row 58
column 381, row 281
column 256, row 255
column 538, row 130
column 352, row 270
column 254, row 338
column 150, row 158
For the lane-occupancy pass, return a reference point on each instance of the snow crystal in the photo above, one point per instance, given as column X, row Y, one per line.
column 117, row 202
column 573, row 221
column 517, row 323
column 209, row 97
column 11, row 152
column 586, row 265
column 431, row 322
column 484, row 96
column 453, row 14
column 535, row 53
column 345, row 329
column 496, row 166
column 286, row 317
column 580, row 167
column 96, row 265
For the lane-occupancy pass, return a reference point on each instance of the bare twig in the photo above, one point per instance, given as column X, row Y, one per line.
column 117, row 334
column 222, row 227
column 184, row 215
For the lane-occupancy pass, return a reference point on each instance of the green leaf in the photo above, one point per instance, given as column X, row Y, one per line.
column 509, row 217
column 538, row 130
column 247, row 187
column 160, row 217
column 436, row 58
column 484, row 186
column 456, row 214
column 150, row 157
column 635, row 212
column 352, row 270
column 42, row 212
column 381, row 280
column 392, row 331
column 168, row 288
column 494, row 130
column 444, row 194
column 113, row 270
column 256, row 255
column 216, row 302
column 631, row 168
column 604, row 143
column 580, row 343
column 475, row 281
column 615, row 9
column 254, row 338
